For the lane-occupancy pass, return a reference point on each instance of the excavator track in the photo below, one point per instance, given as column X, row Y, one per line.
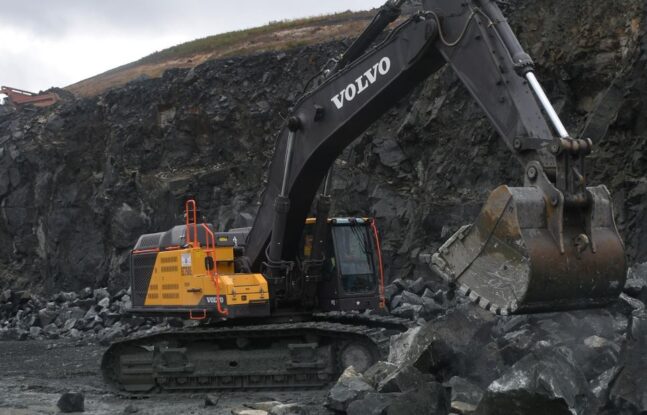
column 300, row 355
column 371, row 320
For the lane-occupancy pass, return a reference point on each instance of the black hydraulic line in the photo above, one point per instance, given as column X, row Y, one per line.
column 324, row 202
column 481, row 48
column 386, row 15
column 521, row 60
column 282, row 208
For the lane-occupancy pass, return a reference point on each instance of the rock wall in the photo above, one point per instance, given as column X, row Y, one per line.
column 83, row 179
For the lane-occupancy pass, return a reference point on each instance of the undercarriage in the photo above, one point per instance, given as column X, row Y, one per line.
column 298, row 355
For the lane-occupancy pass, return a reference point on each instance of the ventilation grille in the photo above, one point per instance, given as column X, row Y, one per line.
column 170, row 295
column 141, row 272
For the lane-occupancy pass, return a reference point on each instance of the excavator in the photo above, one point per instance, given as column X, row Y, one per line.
column 284, row 301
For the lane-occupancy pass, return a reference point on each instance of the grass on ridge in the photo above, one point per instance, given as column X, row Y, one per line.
column 213, row 43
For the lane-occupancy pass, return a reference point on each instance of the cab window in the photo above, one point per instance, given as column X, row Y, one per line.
column 354, row 257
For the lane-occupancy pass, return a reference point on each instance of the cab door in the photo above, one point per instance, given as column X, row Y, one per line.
column 350, row 281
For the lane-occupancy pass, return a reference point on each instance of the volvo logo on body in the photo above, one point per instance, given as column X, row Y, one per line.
column 362, row 83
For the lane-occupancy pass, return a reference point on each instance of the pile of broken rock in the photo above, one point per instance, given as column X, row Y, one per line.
column 464, row 360
column 458, row 359
column 420, row 300
column 92, row 315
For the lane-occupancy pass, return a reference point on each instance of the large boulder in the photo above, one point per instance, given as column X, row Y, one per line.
column 429, row 399
column 465, row 396
column 426, row 399
column 456, row 344
column 543, row 382
column 380, row 370
column 407, row 348
column 71, row 402
column 371, row 404
column 351, row 386
column 628, row 386
column 593, row 339
column 403, row 379
column 636, row 285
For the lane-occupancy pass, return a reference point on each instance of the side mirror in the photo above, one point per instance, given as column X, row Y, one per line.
column 208, row 263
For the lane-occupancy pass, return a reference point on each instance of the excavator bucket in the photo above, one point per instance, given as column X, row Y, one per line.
column 524, row 255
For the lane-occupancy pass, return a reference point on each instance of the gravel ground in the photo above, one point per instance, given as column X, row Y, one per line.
column 36, row 373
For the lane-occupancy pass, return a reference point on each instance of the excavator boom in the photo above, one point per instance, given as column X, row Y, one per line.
column 549, row 245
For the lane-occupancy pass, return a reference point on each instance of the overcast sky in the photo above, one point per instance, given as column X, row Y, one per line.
column 59, row 42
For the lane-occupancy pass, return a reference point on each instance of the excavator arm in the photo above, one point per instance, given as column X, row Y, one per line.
column 328, row 119
column 551, row 244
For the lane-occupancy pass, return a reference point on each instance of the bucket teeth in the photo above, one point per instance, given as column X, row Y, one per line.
column 508, row 261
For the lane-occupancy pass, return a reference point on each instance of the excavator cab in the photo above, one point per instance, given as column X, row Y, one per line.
column 351, row 274
column 190, row 270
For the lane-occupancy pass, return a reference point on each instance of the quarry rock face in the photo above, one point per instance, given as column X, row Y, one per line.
column 82, row 180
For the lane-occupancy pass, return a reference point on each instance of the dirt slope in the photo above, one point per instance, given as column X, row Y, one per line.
column 273, row 37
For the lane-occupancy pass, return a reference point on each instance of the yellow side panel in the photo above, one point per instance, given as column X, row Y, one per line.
column 242, row 280
column 244, row 288
column 225, row 259
column 180, row 279
column 224, row 253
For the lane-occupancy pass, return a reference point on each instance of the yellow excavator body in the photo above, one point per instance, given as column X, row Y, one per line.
column 181, row 282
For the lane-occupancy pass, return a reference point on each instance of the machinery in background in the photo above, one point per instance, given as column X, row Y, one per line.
column 18, row 97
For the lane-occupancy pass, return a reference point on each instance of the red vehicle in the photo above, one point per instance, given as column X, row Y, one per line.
column 19, row 97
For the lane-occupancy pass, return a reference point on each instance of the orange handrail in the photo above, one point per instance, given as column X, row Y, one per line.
column 187, row 206
column 379, row 258
column 211, row 252
column 145, row 251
